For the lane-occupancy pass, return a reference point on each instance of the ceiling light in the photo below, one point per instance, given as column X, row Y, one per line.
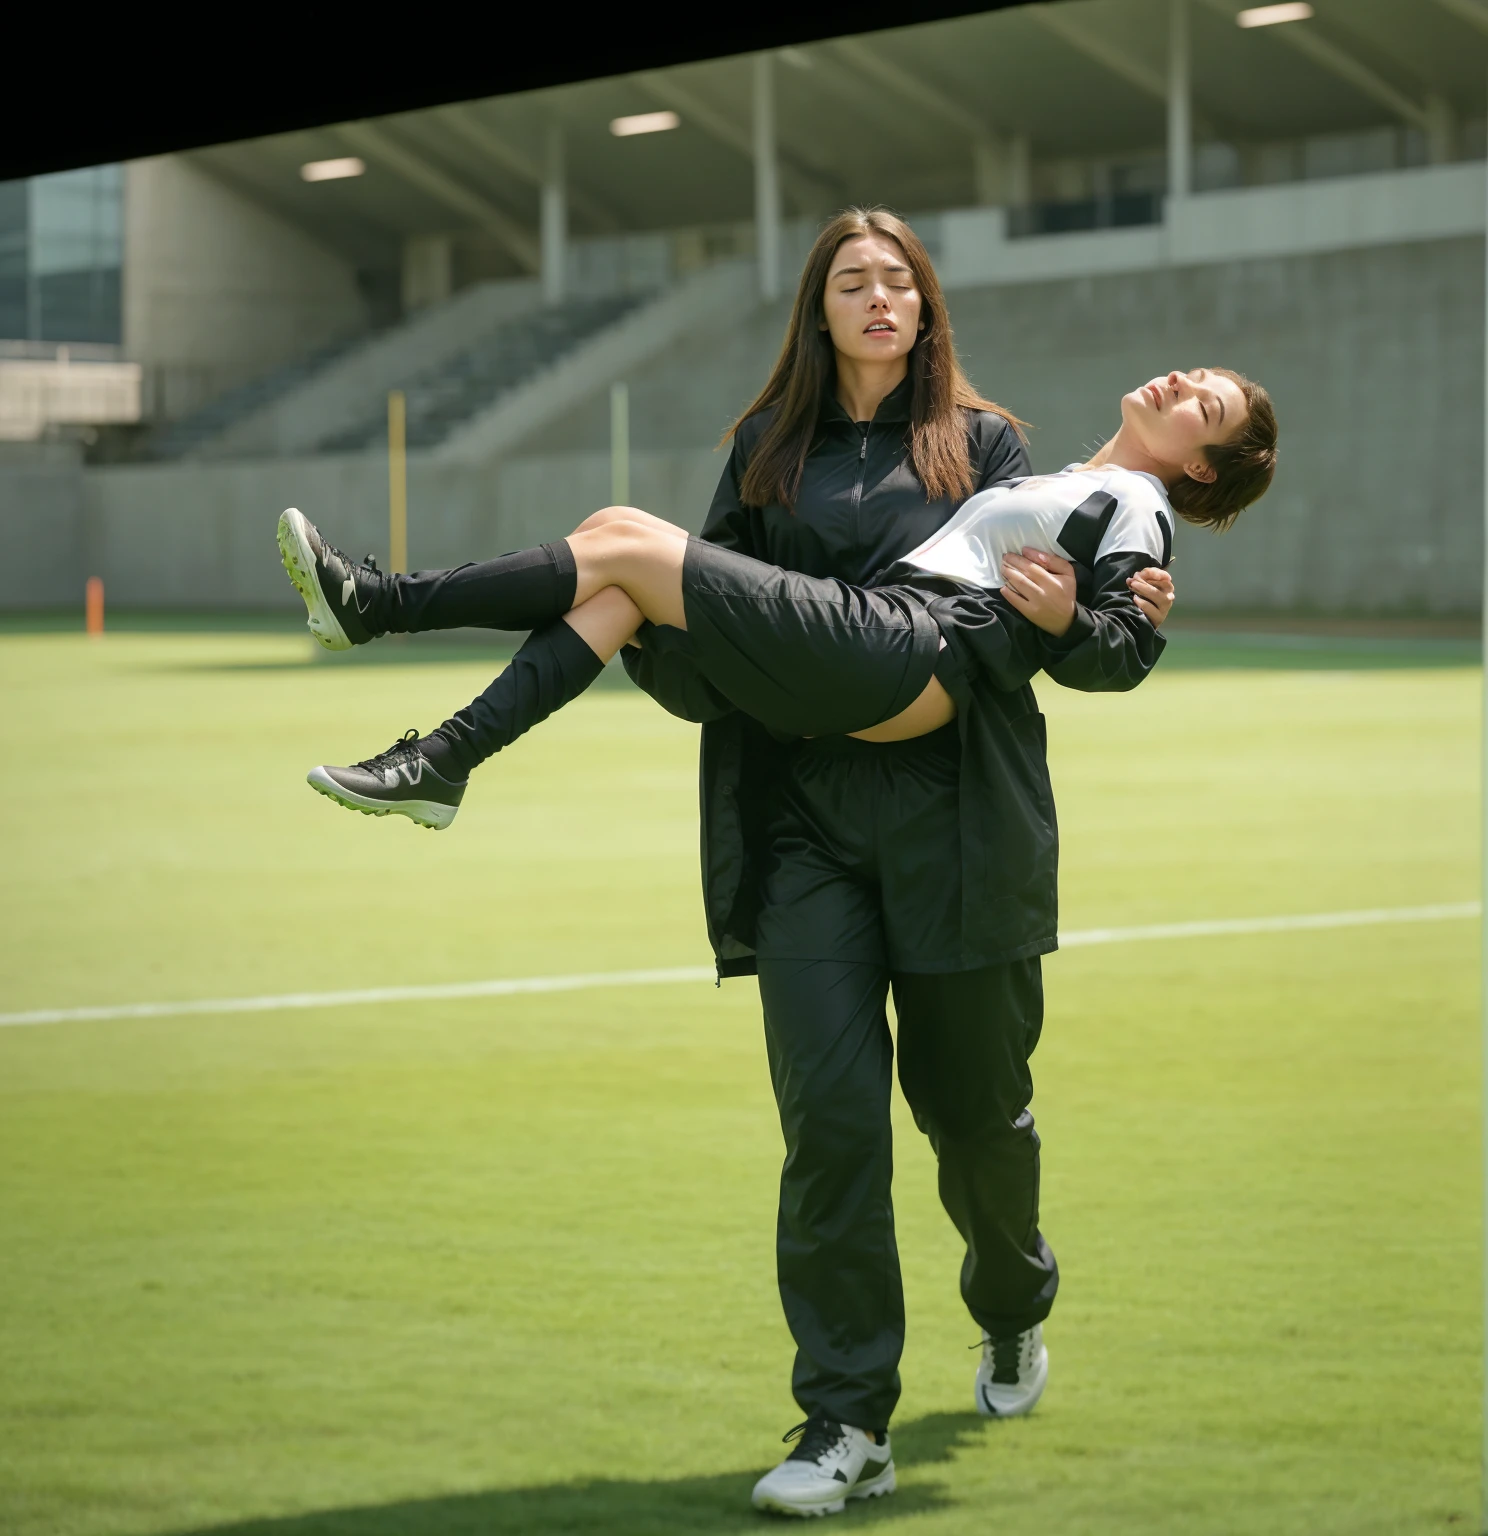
column 332, row 170
column 1270, row 15
column 644, row 122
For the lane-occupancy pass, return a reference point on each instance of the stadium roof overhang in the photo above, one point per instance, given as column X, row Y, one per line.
column 178, row 81
column 894, row 115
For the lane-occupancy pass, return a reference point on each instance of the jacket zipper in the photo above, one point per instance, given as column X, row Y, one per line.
column 857, row 497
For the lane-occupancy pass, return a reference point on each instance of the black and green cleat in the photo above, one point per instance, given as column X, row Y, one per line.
column 344, row 600
column 398, row 782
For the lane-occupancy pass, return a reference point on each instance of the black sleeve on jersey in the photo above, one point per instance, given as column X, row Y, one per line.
column 1112, row 645
column 1086, row 526
column 1164, row 527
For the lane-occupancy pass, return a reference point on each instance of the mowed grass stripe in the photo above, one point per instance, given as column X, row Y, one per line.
column 513, row 985
column 445, row 1269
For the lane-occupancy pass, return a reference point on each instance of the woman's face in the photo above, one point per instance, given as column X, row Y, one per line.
column 1177, row 415
column 871, row 304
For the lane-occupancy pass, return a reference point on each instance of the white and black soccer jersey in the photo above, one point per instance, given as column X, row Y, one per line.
column 1085, row 515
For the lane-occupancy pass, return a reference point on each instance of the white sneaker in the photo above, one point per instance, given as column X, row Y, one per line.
column 832, row 1464
column 1013, row 1373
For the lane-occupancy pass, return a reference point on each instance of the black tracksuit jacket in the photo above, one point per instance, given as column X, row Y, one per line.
column 859, row 494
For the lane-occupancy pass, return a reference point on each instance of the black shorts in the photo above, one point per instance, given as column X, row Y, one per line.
column 805, row 655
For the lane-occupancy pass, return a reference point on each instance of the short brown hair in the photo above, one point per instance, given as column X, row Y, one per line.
column 1243, row 467
column 806, row 371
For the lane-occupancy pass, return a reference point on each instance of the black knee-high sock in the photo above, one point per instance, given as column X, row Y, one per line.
column 552, row 669
column 522, row 590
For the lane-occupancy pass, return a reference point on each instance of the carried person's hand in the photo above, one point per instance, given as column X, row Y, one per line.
column 1153, row 590
column 1042, row 588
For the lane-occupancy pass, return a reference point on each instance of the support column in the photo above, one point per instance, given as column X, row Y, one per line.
column 619, row 445
column 1483, row 931
column 766, row 179
column 428, row 271
column 1019, row 171
column 1180, row 103
column 1441, row 130
column 554, row 218
column 1000, row 171
column 988, row 172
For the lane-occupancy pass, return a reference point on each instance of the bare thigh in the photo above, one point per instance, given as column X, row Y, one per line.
column 643, row 558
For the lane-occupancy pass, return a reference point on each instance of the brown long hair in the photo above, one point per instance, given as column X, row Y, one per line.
column 807, row 367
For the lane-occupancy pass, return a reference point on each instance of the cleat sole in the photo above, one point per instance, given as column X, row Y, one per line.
column 299, row 565
column 801, row 1511
column 423, row 813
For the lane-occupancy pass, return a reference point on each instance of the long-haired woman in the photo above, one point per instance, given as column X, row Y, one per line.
column 841, row 869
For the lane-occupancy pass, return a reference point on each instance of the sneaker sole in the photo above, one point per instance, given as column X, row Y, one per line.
column 426, row 813
column 885, row 1482
column 299, row 564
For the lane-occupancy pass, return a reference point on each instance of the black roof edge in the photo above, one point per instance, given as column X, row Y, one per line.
column 157, row 89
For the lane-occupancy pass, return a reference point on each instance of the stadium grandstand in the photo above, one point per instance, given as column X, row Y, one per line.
column 1109, row 187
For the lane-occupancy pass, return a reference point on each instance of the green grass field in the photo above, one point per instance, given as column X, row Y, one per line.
column 505, row 1265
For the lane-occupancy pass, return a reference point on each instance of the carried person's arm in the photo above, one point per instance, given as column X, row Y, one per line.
column 1042, row 589
column 1113, row 641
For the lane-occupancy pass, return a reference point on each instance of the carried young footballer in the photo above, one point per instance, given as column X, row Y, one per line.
column 1023, row 574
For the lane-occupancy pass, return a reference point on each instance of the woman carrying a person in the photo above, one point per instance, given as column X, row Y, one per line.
column 855, row 630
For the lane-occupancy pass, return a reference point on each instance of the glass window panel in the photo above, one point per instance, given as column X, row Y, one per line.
column 61, row 254
column 76, row 223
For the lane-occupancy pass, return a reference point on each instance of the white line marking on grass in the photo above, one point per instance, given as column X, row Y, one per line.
column 512, row 986
column 1369, row 917
column 505, row 987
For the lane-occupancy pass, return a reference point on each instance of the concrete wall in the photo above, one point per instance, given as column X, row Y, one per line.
column 200, row 536
column 1374, row 357
column 217, row 289
column 1375, row 361
column 541, row 496
column 43, row 536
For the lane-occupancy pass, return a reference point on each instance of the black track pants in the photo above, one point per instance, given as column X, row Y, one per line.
column 964, row 1042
